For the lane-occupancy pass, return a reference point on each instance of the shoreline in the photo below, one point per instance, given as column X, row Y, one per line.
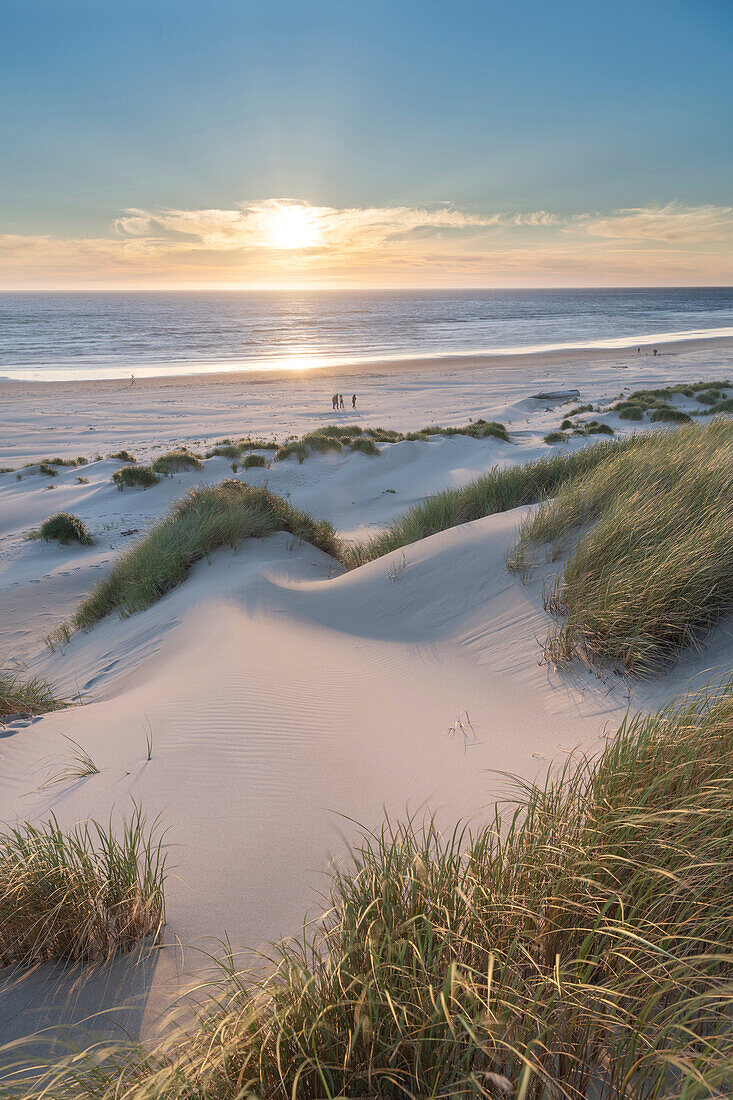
column 560, row 358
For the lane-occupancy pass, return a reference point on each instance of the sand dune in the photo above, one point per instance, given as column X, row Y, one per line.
column 287, row 700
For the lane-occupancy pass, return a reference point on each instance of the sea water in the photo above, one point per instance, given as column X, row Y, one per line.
column 46, row 336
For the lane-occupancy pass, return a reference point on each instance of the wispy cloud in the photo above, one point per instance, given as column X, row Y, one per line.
column 276, row 241
column 250, row 225
column 673, row 222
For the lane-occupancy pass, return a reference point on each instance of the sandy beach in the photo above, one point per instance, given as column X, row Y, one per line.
column 286, row 699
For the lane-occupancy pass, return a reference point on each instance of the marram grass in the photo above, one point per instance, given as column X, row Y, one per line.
column 82, row 895
column 578, row 945
column 497, row 491
column 654, row 572
column 31, row 696
column 203, row 520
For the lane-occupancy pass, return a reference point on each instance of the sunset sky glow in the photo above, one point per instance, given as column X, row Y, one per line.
column 349, row 144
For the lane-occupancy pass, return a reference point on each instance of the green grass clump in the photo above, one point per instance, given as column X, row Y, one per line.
column 334, row 437
column 722, row 406
column 497, row 491
column 710, row 397
column 597, row 427
column 670, row 415
column 63, row 527
column 131, row 476
column 47, row 469
column 292, row 447
column 320, row 442
column 253, row 460
column 172, row 462
column 205, row 519
column 577, row 945
column 580, row 409
column 249, row 444
column 82, row 895
column 224, row 450
column 124, row 456
column 555, row 437
column 365, row 444
column 655, row 571
column 630, row 411
column 19, row 696
column 7, row 469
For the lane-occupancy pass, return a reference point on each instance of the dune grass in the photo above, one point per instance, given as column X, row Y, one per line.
column 577, row 945
column 173, row 462
column 124, row 456
column 334, row 437
column 227, row 448
column 135, row 476
column 62, row 527
column 497, row 491
column 655, row 571
column 21, row 696
column 81, row 895
column 205, row 519
column 254, row 461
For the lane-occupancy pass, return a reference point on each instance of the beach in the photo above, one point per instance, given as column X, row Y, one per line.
column 288, row 702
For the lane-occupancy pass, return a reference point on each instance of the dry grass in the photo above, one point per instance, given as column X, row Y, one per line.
column 579, row 946
column 33, row 696
column 655, row 571
column 82, row 895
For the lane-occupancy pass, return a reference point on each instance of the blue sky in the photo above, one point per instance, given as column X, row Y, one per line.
column 575, row 109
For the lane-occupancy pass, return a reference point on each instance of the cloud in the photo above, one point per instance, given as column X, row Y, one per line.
column 251, row 225
column 673, row 223
column 286, row 242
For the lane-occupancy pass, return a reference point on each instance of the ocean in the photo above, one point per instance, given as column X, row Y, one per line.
column 109, row 335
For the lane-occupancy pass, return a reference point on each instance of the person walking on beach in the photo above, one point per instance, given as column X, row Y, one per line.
column 638, row 351
column 335, row 401
column 132, row 379
column 656, row 352
column 353, row 400
column 341, row 401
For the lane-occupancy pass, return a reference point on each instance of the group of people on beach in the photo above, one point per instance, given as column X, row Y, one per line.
column 638, row 351
column 337, row 401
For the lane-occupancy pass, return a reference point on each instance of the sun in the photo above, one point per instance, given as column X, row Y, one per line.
column 292, row 227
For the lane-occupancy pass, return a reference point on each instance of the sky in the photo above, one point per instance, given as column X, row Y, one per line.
column 337, row 143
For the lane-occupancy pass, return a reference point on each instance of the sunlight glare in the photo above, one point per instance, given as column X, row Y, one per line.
column 293, row 227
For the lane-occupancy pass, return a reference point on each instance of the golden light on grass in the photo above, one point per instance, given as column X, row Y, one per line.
column 292, row 227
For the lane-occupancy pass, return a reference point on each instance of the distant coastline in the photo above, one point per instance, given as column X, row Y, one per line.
column 669, row 342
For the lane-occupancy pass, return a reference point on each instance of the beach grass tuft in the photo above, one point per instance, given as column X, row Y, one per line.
column 655, row 571
column 135, row 477
column 63, row 527
column 202, row 521
column 26, row 696
column 173, row 462
column 124, row 456
column 252, row 461
column 576, row 945
column 82, row 895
